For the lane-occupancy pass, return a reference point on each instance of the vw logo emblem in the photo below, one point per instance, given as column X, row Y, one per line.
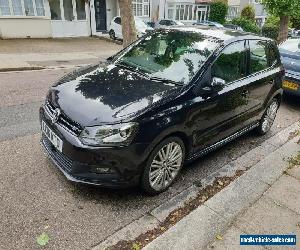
column 56, row 115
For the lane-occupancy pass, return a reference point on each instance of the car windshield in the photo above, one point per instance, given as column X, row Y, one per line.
column 292, row 45
column 170, row 55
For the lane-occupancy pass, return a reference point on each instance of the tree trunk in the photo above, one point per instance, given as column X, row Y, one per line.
column 283, row 28
column 127, row 19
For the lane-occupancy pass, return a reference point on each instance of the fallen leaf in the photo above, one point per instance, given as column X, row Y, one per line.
column 277, row 204
column 219, row 237
column 43, row 239
column 220, row 183
column 136, row 246
column 298, row 224
column 162, row 228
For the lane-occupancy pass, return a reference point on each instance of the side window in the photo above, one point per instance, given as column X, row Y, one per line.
column 230, row 65
column 118, row 20
column 258, row 56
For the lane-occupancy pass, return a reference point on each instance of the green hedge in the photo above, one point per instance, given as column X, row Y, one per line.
column 218, row 11
column 246, row 24
column 270, row 31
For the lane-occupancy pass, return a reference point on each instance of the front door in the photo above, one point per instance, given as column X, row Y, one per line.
column 100, row 15
column 222, row 113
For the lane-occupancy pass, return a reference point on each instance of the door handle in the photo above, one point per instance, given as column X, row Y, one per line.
column 245, row 93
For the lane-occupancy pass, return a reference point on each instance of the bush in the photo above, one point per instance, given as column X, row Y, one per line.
column 248, row 13
column 218, row 12
column 270, row 31
column 246, row 24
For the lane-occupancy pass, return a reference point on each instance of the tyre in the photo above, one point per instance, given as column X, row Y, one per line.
column 112, row 35
column 268, row 117
column 163, row 165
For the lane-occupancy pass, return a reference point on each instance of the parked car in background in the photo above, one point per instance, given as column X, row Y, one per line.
column 167, row 99
column 150, row 23
column 290, row 56
column 209, row 23
column 165, row 23
column 233, row 27
column 115, row 29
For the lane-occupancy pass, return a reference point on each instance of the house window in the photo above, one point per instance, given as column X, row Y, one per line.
column 22, row 8
column 17, row 7
column 140, row 7
column 4, row 8
column 233, row 12
column 186, row 12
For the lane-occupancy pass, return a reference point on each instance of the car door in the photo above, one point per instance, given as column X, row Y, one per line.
column 263, row 73
column 220, row 113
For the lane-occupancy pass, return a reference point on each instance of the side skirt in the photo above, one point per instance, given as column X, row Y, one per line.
column 222, row 142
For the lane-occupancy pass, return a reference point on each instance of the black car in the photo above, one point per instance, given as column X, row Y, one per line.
column 167, row 99
column 290, row 54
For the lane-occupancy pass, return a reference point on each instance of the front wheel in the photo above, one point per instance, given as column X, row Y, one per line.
column 268, row 117
column 163, row 165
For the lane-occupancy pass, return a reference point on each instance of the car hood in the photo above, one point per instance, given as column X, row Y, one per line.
column 107, row 93
column 290, row 60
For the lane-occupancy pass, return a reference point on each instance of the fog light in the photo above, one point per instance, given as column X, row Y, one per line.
column 103, row 170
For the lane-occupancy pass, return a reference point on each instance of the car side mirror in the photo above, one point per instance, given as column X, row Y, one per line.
column 217, row 83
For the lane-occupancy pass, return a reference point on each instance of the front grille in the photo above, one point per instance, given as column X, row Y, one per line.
column 64, row 121
column 63, row 161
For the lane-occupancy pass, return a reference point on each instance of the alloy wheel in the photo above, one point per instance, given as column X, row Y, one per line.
column 269, row 117
column 165, row 166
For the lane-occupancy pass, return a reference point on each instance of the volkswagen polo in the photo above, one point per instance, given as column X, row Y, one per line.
column 165, row 100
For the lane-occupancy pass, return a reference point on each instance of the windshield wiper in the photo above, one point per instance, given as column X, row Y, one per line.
column 165, row 80
column 132, row 69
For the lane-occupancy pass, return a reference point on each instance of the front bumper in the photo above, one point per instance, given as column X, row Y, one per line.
column 80, row 163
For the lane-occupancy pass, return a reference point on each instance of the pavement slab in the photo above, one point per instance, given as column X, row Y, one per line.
column 231, row 241
column 287, row 192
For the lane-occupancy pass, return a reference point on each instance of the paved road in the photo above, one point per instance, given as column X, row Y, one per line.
column 35, row 197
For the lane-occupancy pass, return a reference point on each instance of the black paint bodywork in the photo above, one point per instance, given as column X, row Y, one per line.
column 108, row 94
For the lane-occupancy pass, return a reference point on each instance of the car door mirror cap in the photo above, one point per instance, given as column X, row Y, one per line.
column 217, row 83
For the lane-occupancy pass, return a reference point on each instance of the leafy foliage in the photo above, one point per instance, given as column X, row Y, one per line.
column 42, row 239
column 272, row 20
column 248, row 13
column 270, row 31
column 283, row 8
column 218, row 11
column 246, row 24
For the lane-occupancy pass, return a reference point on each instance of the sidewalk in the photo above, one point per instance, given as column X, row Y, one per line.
column 264, row 200
column 28, row 54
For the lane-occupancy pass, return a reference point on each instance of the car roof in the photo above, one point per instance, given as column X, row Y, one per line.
column 224, row 35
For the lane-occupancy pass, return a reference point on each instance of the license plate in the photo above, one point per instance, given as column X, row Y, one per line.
column 53, row 138
column 290, row 85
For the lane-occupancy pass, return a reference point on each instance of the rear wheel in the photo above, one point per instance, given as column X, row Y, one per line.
column 268, row 117
column 163, row 165
column 112, row 34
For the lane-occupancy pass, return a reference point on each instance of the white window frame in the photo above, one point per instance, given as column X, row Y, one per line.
column 142, row 4
column 184, row 11
column 23, row 15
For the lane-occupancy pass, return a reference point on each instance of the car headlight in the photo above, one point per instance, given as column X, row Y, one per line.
column 109, row 135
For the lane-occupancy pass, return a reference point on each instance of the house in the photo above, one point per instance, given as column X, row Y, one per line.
column 61, row 18
column 186, row 11
column 235, row 7
column 76, row 18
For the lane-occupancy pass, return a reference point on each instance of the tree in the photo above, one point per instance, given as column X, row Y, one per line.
column 218, row 11
column 128, row 24
column 248, row 13
column 285, row 10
